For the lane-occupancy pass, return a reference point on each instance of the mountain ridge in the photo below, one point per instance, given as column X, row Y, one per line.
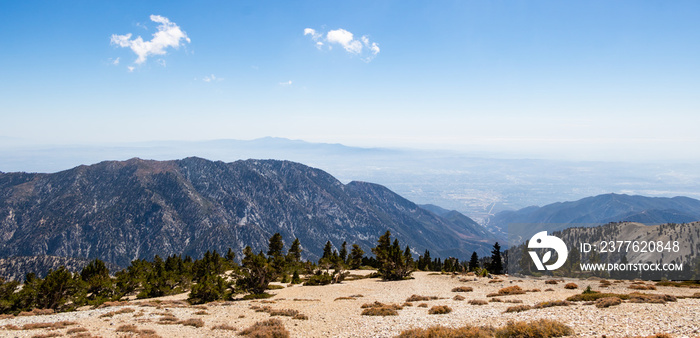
column 122, row 210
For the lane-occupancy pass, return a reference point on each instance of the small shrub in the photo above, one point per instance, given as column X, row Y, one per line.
column 417, row 298
column 570, row 286
column 496, row 300
column 458, row 297
column 344, row 298
column 495, row 280
column 518, row 308
column 224, row 327
column 463, row 289
column 128, row 328
column 37, row 312
column 533, row 290
column 257, row 296
column 542, row 305
column 76, row 330
column 274, row 287
column 272, row 328
column 380, row 311
column 423, row 305
column 439, row 310
column 283, row 312
column 56, row 325
column 196, row 322
column 300, row 316
column 548, row 290
column 641, row 287
column 478, row 302
column 511, row 290
column 448, row 332
column 537, row 328
column 120, row 311
column 608, row 302
column 407, row 304
column 551, row 281
column 654, row 299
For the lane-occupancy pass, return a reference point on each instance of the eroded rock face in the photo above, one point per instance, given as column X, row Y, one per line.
column 120, row 211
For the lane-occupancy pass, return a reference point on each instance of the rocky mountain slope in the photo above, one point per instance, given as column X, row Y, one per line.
column 120, row 211
column 593, row 211
column 16, row 268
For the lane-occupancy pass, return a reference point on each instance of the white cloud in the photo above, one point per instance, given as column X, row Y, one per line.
column 212, row 78
column 168, row 35
column 288, row 83
column 366, row 49
column 130, row 68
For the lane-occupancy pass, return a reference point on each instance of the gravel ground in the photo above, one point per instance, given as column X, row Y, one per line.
column 329, row 317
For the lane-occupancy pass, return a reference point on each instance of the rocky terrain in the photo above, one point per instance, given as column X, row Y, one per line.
column 120, row 211
column 15, row 268
column 336, row 310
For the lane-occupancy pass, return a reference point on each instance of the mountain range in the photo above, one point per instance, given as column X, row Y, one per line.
column 594, row 211
column 123, row 210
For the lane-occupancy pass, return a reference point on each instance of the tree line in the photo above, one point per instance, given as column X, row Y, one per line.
column 219, row 277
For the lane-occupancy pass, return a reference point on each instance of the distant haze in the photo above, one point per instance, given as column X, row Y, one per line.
column 477, row 184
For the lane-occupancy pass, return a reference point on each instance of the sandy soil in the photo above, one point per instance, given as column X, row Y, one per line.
column 329, row 317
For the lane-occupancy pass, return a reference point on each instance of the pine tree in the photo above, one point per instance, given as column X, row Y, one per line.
column 295, row 251
column 344, row 252
column 355, row 259
column 474, row 262
column 275, row 246
column 257, row 272
column 496, row 266
column 393, row 263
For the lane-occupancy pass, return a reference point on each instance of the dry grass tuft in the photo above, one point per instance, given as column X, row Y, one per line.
column 380, row 309
column 551, row 281
column 344, row 298
column 548, row 290
column 507, row 291
column 201, row 313
column 608, row 302
column 495, row 280
column 50, row 326
column 128, row 328
column 224, row 327
column 417, row 298
column 120, row 311
column 300, row 316
column 636, row 297
column 518, row 308
column 478, row 302
column 108, row 304
column 196, row 322
column 537, row 328
column 76, row 330
column 458, row 297
column 439, row 310
column 423, row 305
column 47, row 335
column 641, row 287
column 272, row 328
column 448, row 332
column 533, row 290
column 37, row 312
column 552, row 303
column 463, row 289
column 570, row 286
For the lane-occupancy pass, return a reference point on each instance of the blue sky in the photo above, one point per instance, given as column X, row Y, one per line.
column 584, row 80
